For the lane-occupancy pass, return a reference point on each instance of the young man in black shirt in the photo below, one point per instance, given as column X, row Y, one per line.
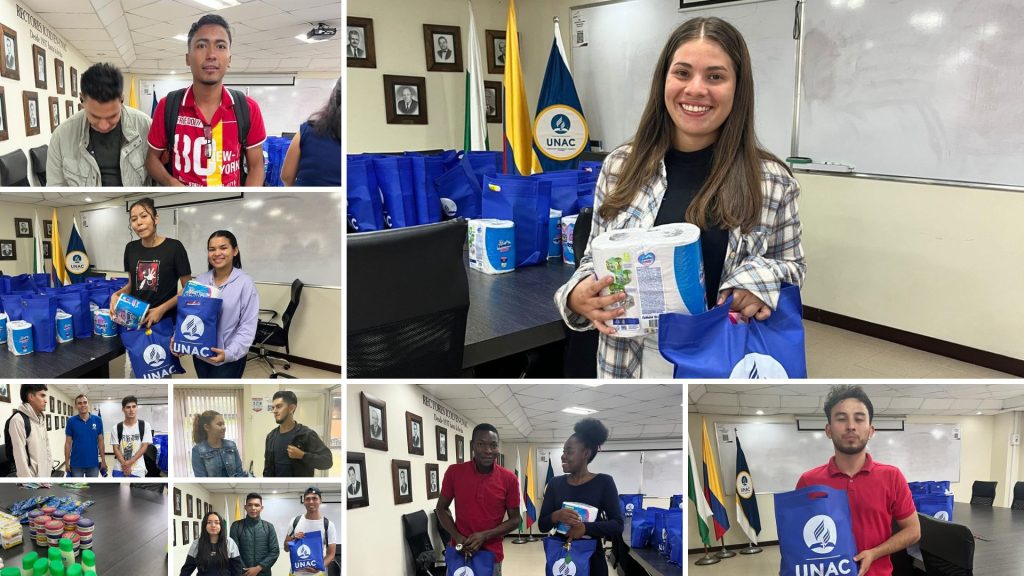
column 292, row 450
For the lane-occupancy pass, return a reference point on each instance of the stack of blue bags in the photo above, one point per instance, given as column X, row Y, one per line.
column 274, row 150
column 395, row 191
column 658, row 528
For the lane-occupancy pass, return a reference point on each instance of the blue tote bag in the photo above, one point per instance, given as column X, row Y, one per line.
column 150, row 350
column 195, row 331
column 629, row 503
column 459, row 189
column 41, row 312
column 394, row 177
column 676, row 501
column 363, row 202
column 526, row 201
column 481, row 563
column 425, row 172
column 568, row 557
column 712, row 345
column 815, row 531
column 641, row 528
column 76, row 303
column 564, row 190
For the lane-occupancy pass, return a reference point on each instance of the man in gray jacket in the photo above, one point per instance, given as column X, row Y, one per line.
column 256, row 539
column 104, row 144
column 26, row 434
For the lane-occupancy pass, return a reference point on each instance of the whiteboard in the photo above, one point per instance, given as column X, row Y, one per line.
column 778, row 453
column 929, row 90
column 624, row 40
column 654, row 473
column 105, row 231
column 284, row 107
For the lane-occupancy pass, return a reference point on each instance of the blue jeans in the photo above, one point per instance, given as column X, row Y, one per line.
column 85, row 472
column 227, row 370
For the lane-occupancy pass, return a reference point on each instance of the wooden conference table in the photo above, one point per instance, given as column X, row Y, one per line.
column 998, row 538
column 130, row 536
column 514, row 312
column 85, row 358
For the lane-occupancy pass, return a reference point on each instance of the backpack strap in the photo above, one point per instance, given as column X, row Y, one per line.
column 241, row 105
column 172, row 106
column 120, row 432
column 295, row 522
column 142, row 431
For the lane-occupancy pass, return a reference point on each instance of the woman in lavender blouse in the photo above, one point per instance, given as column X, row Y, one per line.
column 236, row 328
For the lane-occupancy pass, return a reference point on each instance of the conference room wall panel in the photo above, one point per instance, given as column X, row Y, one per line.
column 978, row 461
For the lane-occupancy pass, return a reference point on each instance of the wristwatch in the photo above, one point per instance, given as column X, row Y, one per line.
column 458, row 547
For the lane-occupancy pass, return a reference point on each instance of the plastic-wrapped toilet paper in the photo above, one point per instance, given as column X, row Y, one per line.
column 19, row 338
column 568, row 225
column 3, row 328
column 555, row 234
column 194, row 288
column 103, row 325
column 660, row 270
column 128, row 311
column 65, row 327
column 492, row 245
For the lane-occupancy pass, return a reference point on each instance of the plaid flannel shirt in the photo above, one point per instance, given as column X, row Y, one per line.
column 759, row 261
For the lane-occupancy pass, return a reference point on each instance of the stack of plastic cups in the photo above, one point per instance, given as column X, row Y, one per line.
column 40, row 524
column 32, row 523
column 85, row 528
column 54, row 528
column 71, row 522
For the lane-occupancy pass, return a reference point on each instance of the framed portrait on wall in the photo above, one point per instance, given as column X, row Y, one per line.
column 443, row 45
column 69, row 109
column 414, row 433
column 4, row 122
column 359, row 49
column 184, row 532
column 23, row 229
column 9, row 61
column 460, row 448
column 188, row 505
column 401, row 481
column 495, row 40
column 30, row 101
column 433, row 478
column 405, row 99
column 375, row 421
column 58, row 74
column 5, row 393
column 493, row 101
column 39, row 65
column 8, row 250
column 195, row 529
column 177, row 501
column 74, row 82
column 49, row 422
column 54, row 105
column 441, row 434
column 357, row 491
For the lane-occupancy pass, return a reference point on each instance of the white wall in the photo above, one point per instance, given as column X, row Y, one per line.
column 390, row 554
column 179, row 551
column 58, row 48
column 23, row 246
column 982, row 457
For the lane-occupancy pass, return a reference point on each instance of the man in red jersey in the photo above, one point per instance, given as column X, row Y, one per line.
column 484, row 493
column 878, row 493
column 215, row 128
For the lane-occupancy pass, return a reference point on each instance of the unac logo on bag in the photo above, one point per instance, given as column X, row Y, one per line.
column 465, row 571
column 756, row 366
column 564, row 567
column 942, row 515
column 744, row 487
column 193, row 328
column 303, row 552
column 629, row 509
column 820, row 534
column 154, row 355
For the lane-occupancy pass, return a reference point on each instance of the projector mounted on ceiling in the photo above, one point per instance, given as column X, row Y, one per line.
column 321, row 32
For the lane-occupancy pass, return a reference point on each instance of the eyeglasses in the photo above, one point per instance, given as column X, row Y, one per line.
column 208, row 147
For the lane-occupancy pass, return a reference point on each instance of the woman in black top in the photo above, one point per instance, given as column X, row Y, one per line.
column 213, row 553
column 581, row 485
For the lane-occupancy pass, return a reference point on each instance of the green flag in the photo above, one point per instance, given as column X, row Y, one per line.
column 696, row 495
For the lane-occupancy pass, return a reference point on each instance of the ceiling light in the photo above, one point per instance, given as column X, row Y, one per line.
column 87, row 199
column 759, row 412
column 217, row 4
column 579, row 411
column 978, row 413
column 182, row 37
column 593, row 385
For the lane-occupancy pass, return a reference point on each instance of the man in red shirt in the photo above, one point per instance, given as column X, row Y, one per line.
column 878, row 493
column 206, row 148
column 484, row 494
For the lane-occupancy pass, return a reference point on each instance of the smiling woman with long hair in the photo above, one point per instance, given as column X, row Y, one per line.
column 213, row 553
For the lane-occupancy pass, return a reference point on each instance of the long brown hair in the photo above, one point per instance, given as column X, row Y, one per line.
column 731, row 196
column 199, row 433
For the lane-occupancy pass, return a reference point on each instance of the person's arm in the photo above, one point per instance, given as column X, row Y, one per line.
column 190, row 564
column 156, row 169
column 613, row 524
column 17, row 440
column 254, row 158
column 101, row 448
column 67, row 452
column 330, row 554
column 254, row 146
column 268, row 457
column 118, row 455
column 239, row 465
column 237, row 345
column 273, row 550
column 547, row 507
column 444, row 516
column 319, row 455
column 235, row 566
column 909, row 533
column 290, row 166
column 198, row 468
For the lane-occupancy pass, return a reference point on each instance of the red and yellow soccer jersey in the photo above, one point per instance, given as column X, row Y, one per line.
column 191, row 145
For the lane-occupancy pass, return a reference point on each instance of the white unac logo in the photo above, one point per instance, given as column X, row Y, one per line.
column 755, row 366
column 629, row 509
column 942, row 515
column 820, row 534
column 303, row 552
column 744, row 485
column 563, row 568
column 193, row 328
column 465, row 571
column 154, row 355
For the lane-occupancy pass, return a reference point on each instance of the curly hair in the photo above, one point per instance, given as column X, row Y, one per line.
column 592, row 434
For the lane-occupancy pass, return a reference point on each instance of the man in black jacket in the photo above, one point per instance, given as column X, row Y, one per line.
column 256, row 539
column 292, row 450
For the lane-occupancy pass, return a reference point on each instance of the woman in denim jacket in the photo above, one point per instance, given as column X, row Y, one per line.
column 213, row 455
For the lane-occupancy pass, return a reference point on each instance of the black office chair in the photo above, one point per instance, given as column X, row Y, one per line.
column 408, row 299
column 581, row 347
column 14, row 169
column 1018, row 496
column 417, row 536
column 38, row 157
column 288, row 135
column 270, row 333
column 590, row 155
column 947, row 548
column 441, row 532
column 983, row 493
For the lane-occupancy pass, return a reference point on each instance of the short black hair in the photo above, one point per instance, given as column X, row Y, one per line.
column 483, row 428
column 27, row 389
column 842, row 392
column 128, row 400
column 287, row 395
column 208, row 19
column 252, row 495
column 591, row 433
column 102, row 82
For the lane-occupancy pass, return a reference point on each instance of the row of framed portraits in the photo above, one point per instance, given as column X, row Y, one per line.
column 405, row 100
column 442, row 46
column 194, row 508
column 375, row 430
column 31, row 113
column 357, row 490
column 10, row 66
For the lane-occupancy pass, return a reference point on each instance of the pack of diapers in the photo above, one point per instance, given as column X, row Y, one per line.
column 194, row 288
column 492, row 245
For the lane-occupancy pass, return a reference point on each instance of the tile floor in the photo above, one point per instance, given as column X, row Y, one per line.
column 767, row 562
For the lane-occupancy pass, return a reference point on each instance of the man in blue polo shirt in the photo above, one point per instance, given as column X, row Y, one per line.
column 83, row 449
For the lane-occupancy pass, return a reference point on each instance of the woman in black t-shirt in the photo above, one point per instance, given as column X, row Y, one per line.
column 156, row 265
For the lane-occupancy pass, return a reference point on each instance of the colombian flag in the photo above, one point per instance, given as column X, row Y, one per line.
column 519, row 155
column 531, row 490
column 57, row 265
column 713, row 487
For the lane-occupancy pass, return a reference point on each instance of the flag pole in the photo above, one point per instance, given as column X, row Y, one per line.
column 751, row 549
column 520, row 539
column 707, row 559
column 724, row 552
column 530, row 537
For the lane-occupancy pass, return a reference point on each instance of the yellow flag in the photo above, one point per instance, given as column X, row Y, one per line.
column 520, row 157
column 60, row 273
column 238, row 509
column 133, row 100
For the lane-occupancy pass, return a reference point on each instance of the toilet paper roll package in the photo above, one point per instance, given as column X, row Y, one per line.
column 128, row 311
column 193, row 288
column 660, row 270
column 568, row 225
column 102, row 324
column 555, row 234
column 492, row 245
column 65, row 327
column 19, row 338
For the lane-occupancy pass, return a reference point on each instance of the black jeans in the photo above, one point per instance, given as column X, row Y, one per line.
column 227, row 370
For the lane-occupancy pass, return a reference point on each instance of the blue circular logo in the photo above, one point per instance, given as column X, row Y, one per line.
column 560, row 123
column 646, row 259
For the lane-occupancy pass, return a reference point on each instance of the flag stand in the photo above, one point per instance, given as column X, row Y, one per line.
column 751, row 549
column 707, row 559
column 724, row 552
column 520, row 539
column 529, row 535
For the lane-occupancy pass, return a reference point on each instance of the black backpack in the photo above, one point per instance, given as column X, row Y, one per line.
column 173, row 106
column 11, row 468
column 142, row 430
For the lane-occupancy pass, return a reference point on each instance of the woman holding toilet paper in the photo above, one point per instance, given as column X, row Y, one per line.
column 694, row 158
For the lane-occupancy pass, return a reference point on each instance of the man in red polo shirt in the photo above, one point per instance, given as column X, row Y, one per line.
column 484, row 494
column 878, row 493
column 206, row 148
